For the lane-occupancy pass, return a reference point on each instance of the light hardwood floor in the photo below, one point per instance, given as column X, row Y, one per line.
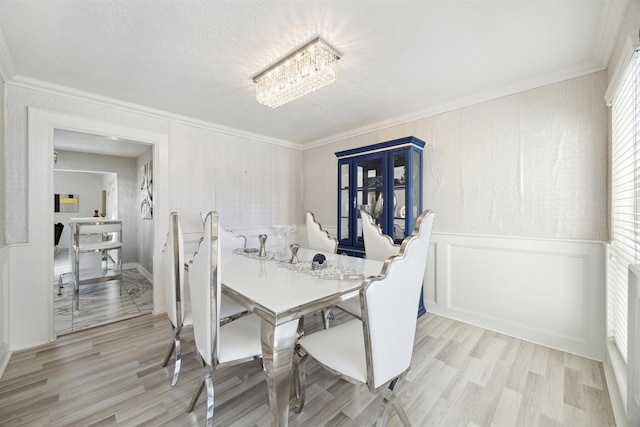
column 461, row 376
column 100, row 303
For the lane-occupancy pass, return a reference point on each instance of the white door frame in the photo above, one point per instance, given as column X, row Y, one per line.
column 30, row 299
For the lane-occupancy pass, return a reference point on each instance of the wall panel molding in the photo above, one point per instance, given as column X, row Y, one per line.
column 551, row 292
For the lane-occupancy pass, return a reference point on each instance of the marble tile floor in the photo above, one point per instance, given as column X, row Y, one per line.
column 99, row 303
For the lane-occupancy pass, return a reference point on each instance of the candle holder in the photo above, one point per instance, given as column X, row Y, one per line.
column 294, row 253
column 263, row 239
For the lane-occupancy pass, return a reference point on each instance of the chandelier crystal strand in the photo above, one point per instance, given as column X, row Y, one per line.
column 309, row 69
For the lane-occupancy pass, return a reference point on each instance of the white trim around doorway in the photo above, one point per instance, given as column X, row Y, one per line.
column 30, row 296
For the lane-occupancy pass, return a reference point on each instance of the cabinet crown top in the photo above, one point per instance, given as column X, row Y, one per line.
column 396, row 143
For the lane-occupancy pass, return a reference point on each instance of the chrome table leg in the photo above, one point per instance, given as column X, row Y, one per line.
column 277, row 353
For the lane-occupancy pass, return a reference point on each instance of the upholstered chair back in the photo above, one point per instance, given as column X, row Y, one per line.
column 317, row 238
column 377, row 246
column 390, row 303
column 205, row 288
column 172, row 260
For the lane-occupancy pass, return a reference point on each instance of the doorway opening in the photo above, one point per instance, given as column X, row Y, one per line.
column 31, row 309
column 88, row 172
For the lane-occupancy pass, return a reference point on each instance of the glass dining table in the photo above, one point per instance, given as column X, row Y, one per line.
column 281, row 293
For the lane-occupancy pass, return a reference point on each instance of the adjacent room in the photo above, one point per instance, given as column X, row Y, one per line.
column 334, row 212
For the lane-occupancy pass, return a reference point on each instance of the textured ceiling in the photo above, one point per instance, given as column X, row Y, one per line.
column 399, row 59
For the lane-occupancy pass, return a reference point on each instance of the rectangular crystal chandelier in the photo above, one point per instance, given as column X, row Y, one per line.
column 309, row 68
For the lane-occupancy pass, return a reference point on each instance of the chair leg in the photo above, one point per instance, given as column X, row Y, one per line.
column 390, row 399
column 208, row 383
column 327, row 315
column 300, row 331
column 210, row 401
column 175, row 345
column 60, row 284
column 194, row 399
column 299, row 378
column 165, row 362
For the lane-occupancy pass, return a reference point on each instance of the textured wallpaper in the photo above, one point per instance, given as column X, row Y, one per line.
column 251, row 183
column 533, row 164
column 2, row 162
column 18, row 100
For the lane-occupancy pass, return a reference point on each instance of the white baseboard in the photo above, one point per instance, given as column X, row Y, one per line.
column 615, row 374
column 5, row 355
column 144, row 272
column 130, row 265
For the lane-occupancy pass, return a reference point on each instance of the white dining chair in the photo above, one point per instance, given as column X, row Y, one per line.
column 377, row 246
column 320, row 240
column 229, row 239
column 176, row 287
column 317, row 238
column 376, row 350
column 229, row 308
column 177, row 303
column 235, row 342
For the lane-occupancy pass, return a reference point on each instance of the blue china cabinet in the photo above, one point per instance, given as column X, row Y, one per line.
column 385, row 179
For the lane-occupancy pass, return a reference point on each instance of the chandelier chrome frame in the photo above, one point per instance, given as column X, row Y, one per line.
column 307, row 69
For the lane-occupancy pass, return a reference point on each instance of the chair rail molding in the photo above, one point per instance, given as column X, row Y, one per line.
column 551, row 292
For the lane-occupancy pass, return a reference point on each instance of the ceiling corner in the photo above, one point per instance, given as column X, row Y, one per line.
column 7, row 70
column 609, row 27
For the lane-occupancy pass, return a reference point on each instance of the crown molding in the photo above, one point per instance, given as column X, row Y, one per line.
column 612, row 17
column 523, row 86
column 631, row 44
column 34, row 84
column 7, row 70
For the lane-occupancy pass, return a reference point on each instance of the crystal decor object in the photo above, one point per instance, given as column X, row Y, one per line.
column 281, row 233
column 304, row 71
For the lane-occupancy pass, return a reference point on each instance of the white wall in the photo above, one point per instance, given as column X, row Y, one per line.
column 87, row 187
column 248, row 181
column 2, row 162
column 530, row 167
column 4, row 257
column 125, row 169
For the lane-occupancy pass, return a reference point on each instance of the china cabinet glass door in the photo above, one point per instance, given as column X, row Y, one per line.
column 344, row 202
column 370, row 192
column 407, row 193
column 398, row 227
column 384, row 180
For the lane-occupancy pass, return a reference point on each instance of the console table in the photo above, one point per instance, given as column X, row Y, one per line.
column 99, row 236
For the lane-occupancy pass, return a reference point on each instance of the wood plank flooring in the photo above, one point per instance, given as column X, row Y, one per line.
column 461, row 376
column 100, row 303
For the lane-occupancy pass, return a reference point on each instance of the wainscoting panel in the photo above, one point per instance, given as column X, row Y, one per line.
column 550, row 292
column 546, row 291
